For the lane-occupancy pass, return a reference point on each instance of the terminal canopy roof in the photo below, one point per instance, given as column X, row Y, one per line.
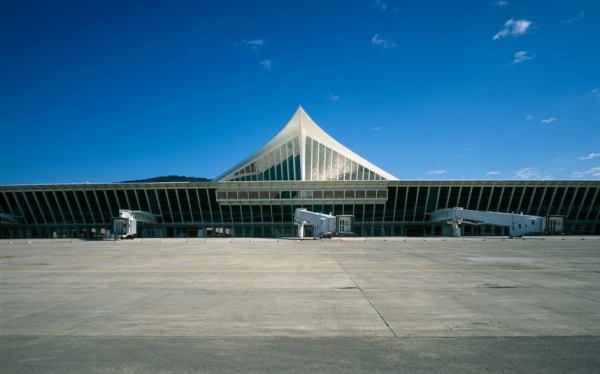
column 302, row 151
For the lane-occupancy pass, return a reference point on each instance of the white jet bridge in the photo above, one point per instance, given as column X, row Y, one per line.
column 125, row 226
column 518, row 224
column 323, row 225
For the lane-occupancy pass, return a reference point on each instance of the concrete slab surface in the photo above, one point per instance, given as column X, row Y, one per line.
column 340, row 305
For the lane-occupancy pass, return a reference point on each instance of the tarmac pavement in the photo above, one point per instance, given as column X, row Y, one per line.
column 341, row 305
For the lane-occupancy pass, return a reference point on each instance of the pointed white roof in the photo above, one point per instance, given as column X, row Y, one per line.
column 335, row 161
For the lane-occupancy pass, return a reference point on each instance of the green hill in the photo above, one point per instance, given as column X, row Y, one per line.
column 169, row 178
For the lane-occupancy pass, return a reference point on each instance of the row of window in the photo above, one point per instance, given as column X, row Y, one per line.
column 415, row 203
column 302, row 195
column 199, row 204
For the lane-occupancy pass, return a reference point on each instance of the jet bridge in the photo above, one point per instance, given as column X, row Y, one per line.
column 518, row 224
column 323, row 225
column 125, row 226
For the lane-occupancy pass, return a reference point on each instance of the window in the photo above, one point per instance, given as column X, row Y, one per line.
column 307, row 194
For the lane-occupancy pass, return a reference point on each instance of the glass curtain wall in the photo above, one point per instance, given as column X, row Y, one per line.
column 404, row 206
column 324, row 164
column 282, row 163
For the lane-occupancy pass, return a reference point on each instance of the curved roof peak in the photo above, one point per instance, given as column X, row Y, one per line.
column 302, row 150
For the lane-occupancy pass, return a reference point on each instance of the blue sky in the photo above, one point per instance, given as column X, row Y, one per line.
column 104, row 91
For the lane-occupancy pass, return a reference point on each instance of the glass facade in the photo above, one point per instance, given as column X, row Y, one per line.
column 321, row 163
column 302, row 151
column 281, row 163
column 266, row 209
column 324, row 164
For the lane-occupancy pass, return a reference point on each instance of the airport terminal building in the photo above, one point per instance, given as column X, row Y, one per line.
column 301, row 167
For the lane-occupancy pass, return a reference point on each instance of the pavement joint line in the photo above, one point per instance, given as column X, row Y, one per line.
column 365, row 296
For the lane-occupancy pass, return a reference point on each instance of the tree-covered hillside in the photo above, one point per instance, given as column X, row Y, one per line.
column 169, row 178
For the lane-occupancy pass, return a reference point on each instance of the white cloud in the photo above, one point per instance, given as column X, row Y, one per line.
column 548, row 120
column 266, row 64
column 436, row 172
column 252, row 44
column 333, row 97
column 530, row 173
column 380, row 5
column 491, row 173
column 591, row 156
column 590, row 173
column 383, row 43
column 522, row 56
column 578, row 17
column 530, row 117
column 527, row 173
column 513, row 28
column 595, row 92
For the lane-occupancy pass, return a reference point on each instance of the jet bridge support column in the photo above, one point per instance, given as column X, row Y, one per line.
column 300, row 230
column 455, row 229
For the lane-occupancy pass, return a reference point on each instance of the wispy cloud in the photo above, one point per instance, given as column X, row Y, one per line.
column 591, row 156
column 546, row 121
column 522, row 56
column 589, row 173
column 578, row 17
column 436, row 172
column 252, row 44
column 500, row 3
column 383, row 43
column 377, row 128
column 595, row 92
column 530, row 117
column 492, row 173
column 380, row 5
column 266, row 64
column 526, row 173
column 333, row 97
column 513, row 28
column 530, row 173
